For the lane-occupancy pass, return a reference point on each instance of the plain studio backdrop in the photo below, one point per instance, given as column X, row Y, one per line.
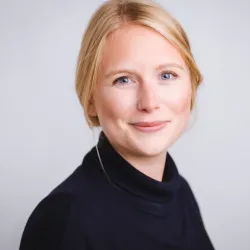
column 44, row 136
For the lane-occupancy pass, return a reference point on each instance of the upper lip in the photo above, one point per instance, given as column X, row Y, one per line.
column 149, row 124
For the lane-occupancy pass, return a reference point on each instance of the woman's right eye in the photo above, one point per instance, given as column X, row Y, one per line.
column 121, row 81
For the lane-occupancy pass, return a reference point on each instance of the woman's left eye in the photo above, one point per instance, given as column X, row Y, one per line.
column 168, row 75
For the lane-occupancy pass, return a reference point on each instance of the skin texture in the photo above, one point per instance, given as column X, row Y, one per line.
column 145, row 93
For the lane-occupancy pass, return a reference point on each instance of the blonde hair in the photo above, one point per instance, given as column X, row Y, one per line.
column 111, row 16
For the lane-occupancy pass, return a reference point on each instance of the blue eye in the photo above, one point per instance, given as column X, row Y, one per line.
column 168, row 75
column 121, row 80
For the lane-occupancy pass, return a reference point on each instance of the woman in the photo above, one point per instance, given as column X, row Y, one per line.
column 137, row 79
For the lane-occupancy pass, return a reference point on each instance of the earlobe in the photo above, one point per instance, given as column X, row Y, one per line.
column 92, row 110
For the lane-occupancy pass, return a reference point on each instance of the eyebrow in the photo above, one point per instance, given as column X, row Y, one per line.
column 159, row 67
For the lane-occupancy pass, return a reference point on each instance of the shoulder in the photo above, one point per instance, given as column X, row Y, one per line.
column 53, row 222
column 46, row 225
column 81, row 180
column 189, row 198
column 186, row 189
column 185, row 184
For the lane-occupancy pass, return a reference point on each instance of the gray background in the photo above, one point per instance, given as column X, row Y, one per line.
column 43, row 134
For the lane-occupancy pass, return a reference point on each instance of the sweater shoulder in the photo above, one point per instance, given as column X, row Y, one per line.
column 189, row 198
column 78, row 183
column 47, row 223
column 52, row 222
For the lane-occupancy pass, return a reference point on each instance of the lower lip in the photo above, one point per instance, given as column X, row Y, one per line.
column 151, row 129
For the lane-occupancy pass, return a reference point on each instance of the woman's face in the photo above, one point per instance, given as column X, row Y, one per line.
column 143, row 78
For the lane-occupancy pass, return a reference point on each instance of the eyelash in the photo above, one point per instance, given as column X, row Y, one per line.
column 115, row 82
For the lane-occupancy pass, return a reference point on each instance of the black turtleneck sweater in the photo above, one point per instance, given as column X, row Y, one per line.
column 128, row 211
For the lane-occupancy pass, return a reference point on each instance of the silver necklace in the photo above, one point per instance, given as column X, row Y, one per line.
column 100, row 160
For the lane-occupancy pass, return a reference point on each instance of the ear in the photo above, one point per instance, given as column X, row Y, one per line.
column 92, row 108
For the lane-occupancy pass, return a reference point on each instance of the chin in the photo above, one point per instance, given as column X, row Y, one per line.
column 152, row 152
column 151, row 149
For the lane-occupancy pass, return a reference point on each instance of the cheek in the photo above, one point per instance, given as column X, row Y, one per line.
column 179, row 100
column 113, row 104
column 178, row 103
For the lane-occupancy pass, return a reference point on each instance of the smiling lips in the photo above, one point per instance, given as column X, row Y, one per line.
column 150, row 126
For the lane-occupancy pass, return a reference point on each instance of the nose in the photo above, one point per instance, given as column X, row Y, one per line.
column 148, row 99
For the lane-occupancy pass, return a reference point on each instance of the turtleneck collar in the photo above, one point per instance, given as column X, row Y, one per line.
column 129, row 179
column 127, row 182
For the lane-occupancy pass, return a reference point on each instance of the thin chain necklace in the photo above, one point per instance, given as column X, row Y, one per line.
column 100, row 160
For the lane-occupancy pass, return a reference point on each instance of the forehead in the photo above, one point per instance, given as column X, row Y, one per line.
column 135, row 45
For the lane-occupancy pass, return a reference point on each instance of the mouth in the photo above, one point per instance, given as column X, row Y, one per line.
column 150, row 126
